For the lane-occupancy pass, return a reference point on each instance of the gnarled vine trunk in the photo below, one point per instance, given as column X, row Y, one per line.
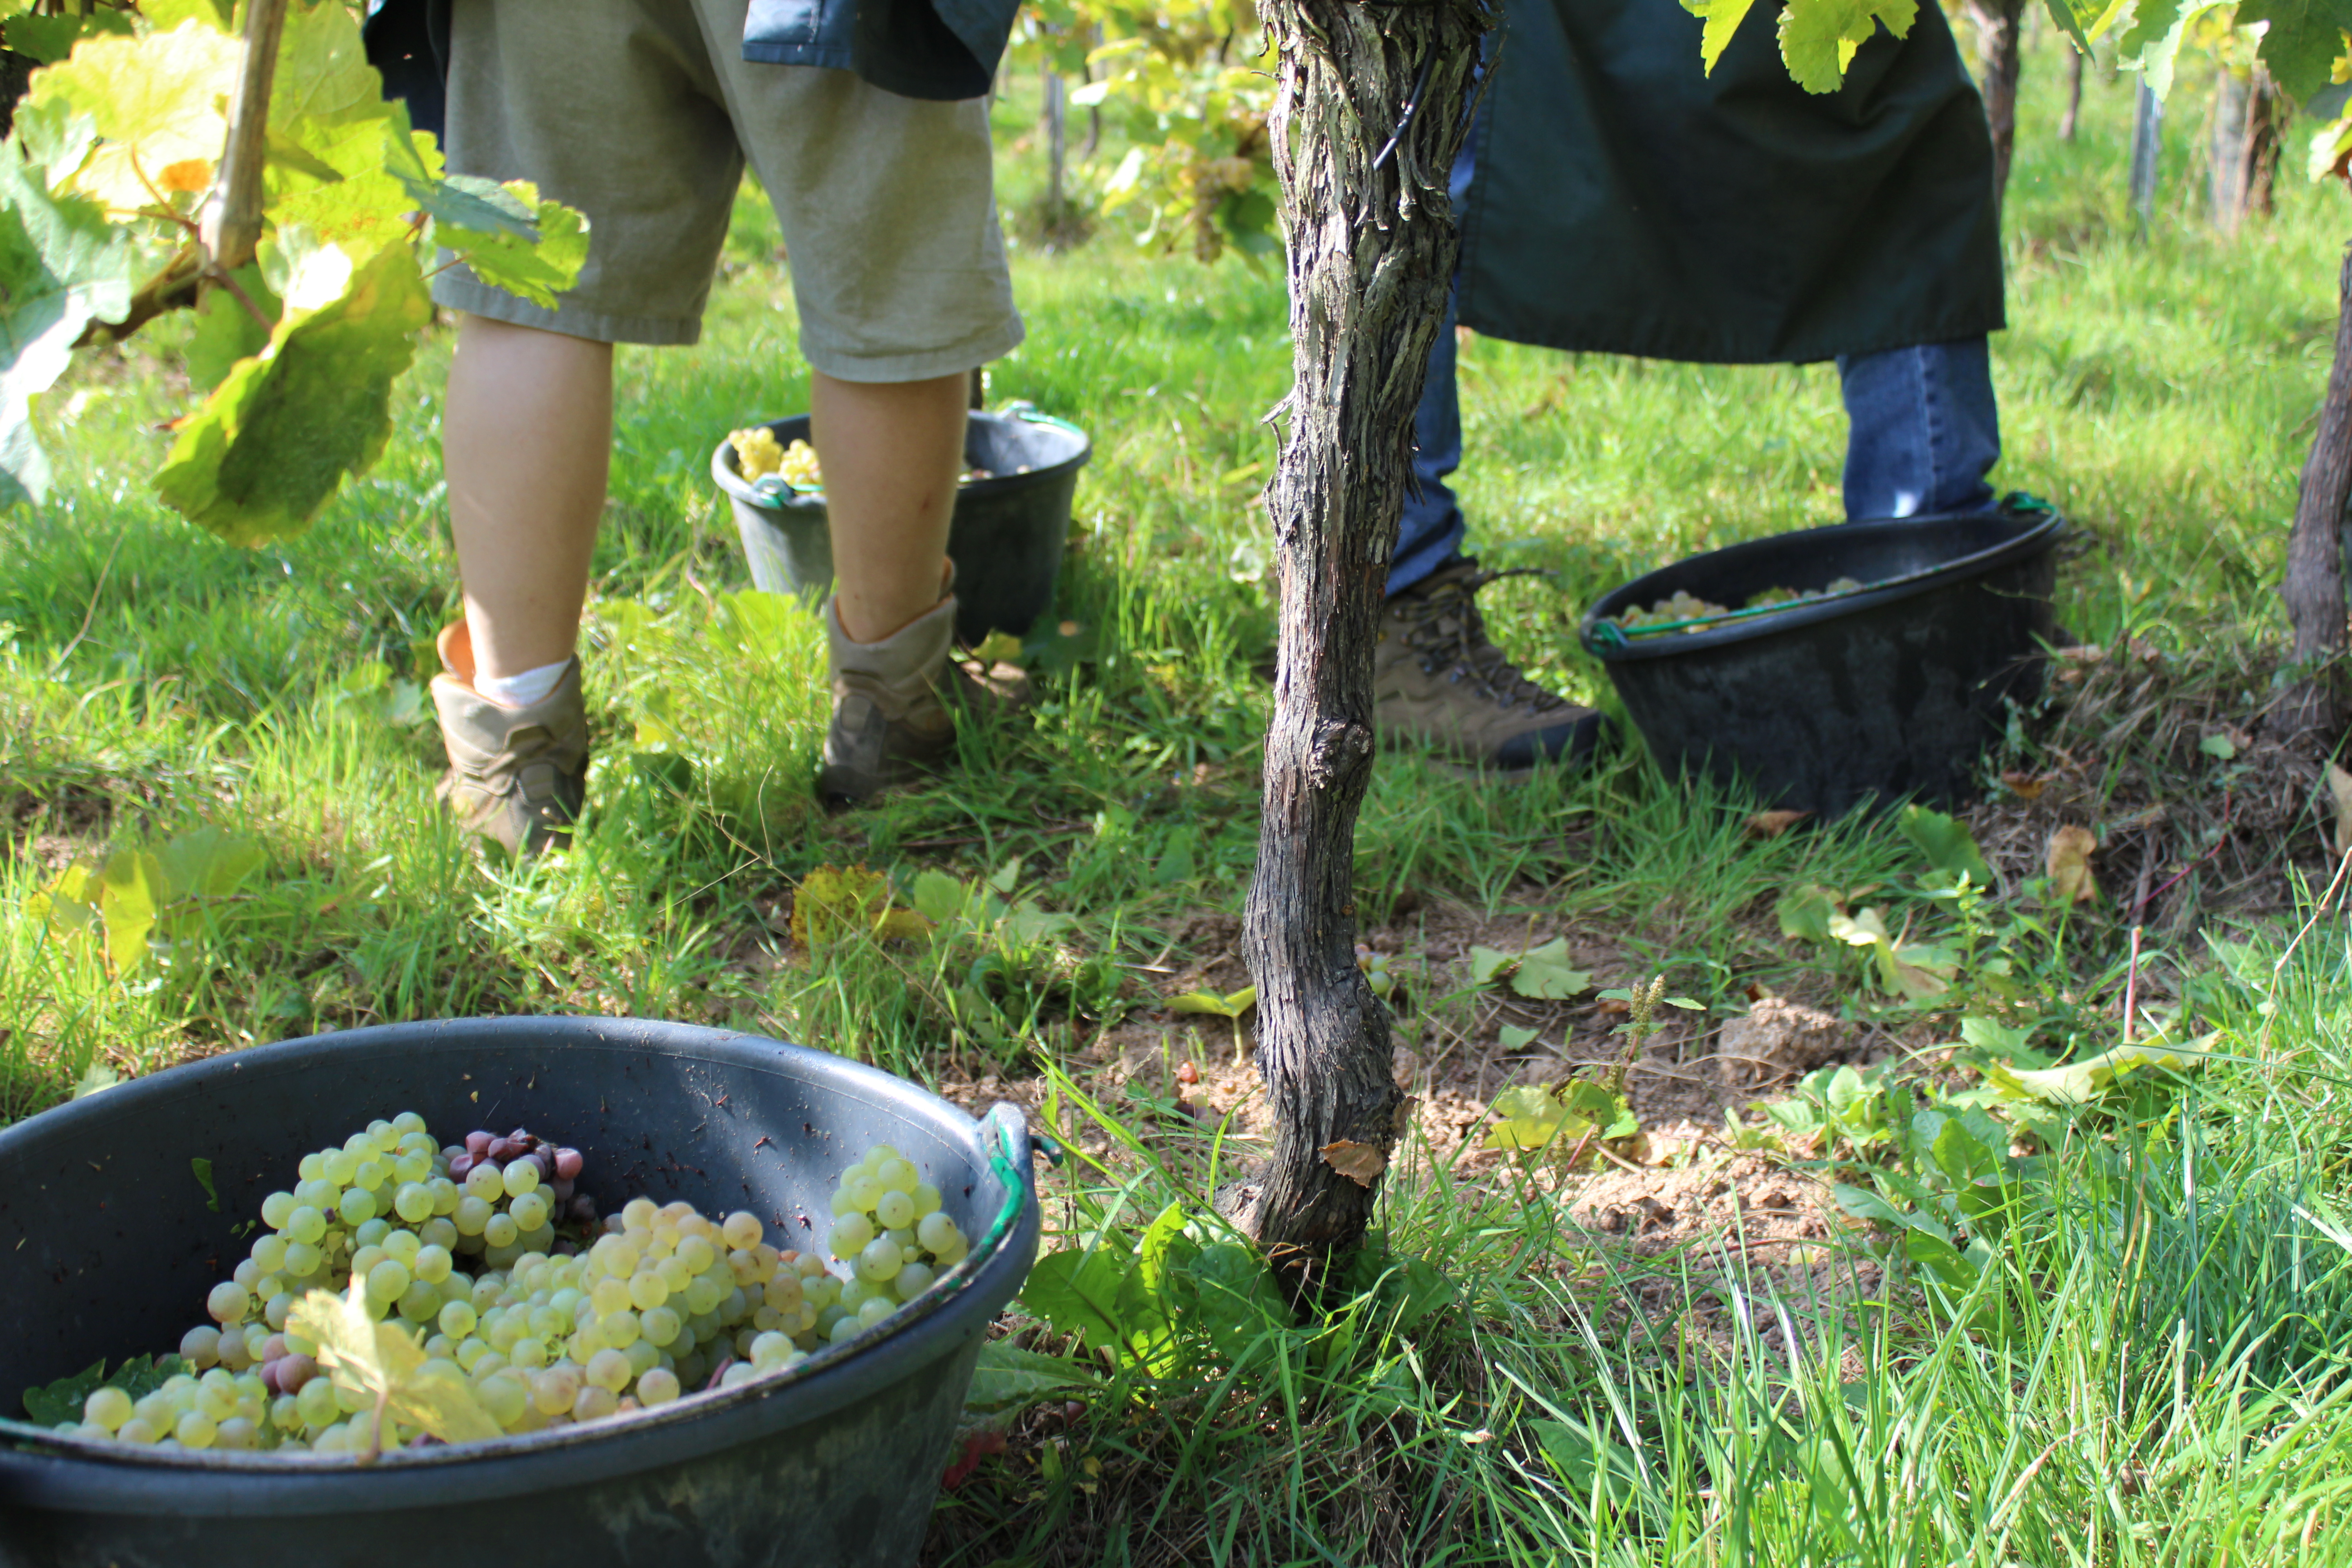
column 2000, row 60
column 2314, row 589
column 1370, row 112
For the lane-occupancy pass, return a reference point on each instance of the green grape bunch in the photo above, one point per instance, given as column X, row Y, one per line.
column 503, row 1285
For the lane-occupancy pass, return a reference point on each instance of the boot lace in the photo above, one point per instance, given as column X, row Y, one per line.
column 1442, row 624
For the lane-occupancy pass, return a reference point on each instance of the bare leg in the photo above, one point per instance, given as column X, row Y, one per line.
column 891, row 452
column 526, row 444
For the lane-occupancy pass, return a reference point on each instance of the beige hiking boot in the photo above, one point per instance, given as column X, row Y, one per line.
column 518, row 777
column 1438, row 684
column 892, row 701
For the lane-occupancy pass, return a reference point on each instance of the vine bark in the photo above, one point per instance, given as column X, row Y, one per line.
column 2314, row 589
column 1371, row 108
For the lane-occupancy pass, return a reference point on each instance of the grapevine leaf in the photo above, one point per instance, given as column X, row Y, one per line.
column 274, row 441
column 2302, row 42
column 1360, row 1163
column 2072, row 880
column 2070, row 21
column 217, row 14
column 226, row 330
column 833, row 903
column 535, row 267
column 61, row 265
column 1722, row 18
column 1819, row 37
column 323, row 75
column 48, row 39
column 380, row 1361
column 156, row 103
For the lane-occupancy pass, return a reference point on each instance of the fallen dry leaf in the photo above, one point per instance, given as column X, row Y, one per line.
column 2025, row 787
column 1360, row 1163
column 1773, row 824
column 2339, row 784
column 2069, row 864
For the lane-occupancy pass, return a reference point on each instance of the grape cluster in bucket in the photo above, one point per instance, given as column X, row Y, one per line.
column 497, row 1268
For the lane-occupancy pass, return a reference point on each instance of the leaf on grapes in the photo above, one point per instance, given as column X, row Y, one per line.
column 138, row 1377
column 382, row 1363
column 2068, row 862
column 536, row 267
column 1360, row 1163
column 1819, row 37
column 1515, row 1038
column 1947, row 843
column 1722, row 18
column 62, row 265
column 1227, row 1006
column 204, row 1170
column 226, row 330
column 130, row 891
column 833, row 902
column 155, row 101
column 275, row 440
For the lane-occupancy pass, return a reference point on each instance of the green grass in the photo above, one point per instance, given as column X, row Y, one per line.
column 2165, row 1381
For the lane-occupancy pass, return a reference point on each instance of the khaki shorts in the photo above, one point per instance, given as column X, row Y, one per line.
column 641, row 112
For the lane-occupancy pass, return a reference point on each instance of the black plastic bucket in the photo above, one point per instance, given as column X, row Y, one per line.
column 107, row 1249
column 1005, row 538
column 1892, row 692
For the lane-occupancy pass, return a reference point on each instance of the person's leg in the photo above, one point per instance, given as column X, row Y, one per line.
column 526, row 445
column 890, row 452
column 1924, row 429
column 1431, row 531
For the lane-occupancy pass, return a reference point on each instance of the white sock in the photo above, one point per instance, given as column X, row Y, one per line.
column 524, row 690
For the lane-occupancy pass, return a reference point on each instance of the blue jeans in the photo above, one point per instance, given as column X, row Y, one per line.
column 1922, row 430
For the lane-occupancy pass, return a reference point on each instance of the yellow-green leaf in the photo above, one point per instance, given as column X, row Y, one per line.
column 2078, row 1083
column 130, row 892
column 1722, row 18
column 276, row 439
column 381, row 1362
column 1819, row 37
column 157, row 103
column 537, row 267
column 1228, row 1006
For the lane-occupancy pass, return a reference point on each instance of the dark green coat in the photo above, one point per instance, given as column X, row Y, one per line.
column 1626, row 202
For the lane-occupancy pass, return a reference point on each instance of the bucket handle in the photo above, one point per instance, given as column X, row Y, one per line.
column 1005, row 1133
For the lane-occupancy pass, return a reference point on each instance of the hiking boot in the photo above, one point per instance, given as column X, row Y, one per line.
column 518, row 777
column 891, row 703
column 1440, row 684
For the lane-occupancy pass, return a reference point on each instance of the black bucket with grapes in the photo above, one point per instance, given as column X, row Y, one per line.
column 576, row 1291
column 1859, row 665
